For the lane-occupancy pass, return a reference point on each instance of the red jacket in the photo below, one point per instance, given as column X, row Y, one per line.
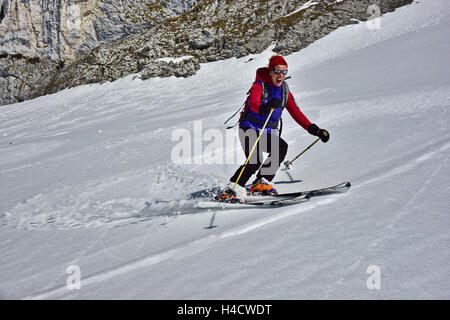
column 262, row 74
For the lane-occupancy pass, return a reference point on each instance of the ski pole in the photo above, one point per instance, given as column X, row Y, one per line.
column 288, row 163
column 253, row 149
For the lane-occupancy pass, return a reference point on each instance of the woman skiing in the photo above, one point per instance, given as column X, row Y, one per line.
column 269, row 91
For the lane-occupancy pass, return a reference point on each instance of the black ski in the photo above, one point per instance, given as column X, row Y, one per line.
column 287, row 198
column 339, row 188
column 276, row 200
column 198, row 200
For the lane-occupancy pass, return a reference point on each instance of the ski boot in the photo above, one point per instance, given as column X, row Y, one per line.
column 232, row 196
column 262, row 187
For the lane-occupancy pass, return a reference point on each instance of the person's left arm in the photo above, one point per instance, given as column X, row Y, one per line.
column 302, row 120
column 296, row 113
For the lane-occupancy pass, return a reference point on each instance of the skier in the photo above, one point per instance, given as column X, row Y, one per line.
column 269, row 91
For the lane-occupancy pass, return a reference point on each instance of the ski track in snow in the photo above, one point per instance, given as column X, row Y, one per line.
column 408, row 163
column 183, row 251
column 204, row 243
column 401, row 213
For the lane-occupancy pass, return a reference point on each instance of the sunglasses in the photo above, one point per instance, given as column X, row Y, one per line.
column 276, row 71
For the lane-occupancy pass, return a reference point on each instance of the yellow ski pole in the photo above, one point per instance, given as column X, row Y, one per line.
column 253, row 149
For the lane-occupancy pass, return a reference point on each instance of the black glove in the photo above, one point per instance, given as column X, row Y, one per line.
column 273, row 103
column 321, row 133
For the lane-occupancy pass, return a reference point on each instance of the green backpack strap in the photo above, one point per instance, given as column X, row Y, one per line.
column 283, row 104
column 265, row 92
column 285, row 94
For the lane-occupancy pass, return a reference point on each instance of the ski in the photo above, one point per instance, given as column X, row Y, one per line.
column 339, row 188
column 276, row 200
column 285, row 198
column 159, row 208
column 198, row 201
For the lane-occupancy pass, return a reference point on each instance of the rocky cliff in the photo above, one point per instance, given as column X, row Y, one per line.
column 49, row 45
column 39, row 37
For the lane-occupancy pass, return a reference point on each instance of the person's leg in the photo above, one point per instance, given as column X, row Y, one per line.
column 247, row 137
column 277, row 149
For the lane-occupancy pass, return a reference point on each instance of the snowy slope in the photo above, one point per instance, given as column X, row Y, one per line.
column 77, row 167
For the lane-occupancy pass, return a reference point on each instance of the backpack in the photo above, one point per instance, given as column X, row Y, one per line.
column 264, row 96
